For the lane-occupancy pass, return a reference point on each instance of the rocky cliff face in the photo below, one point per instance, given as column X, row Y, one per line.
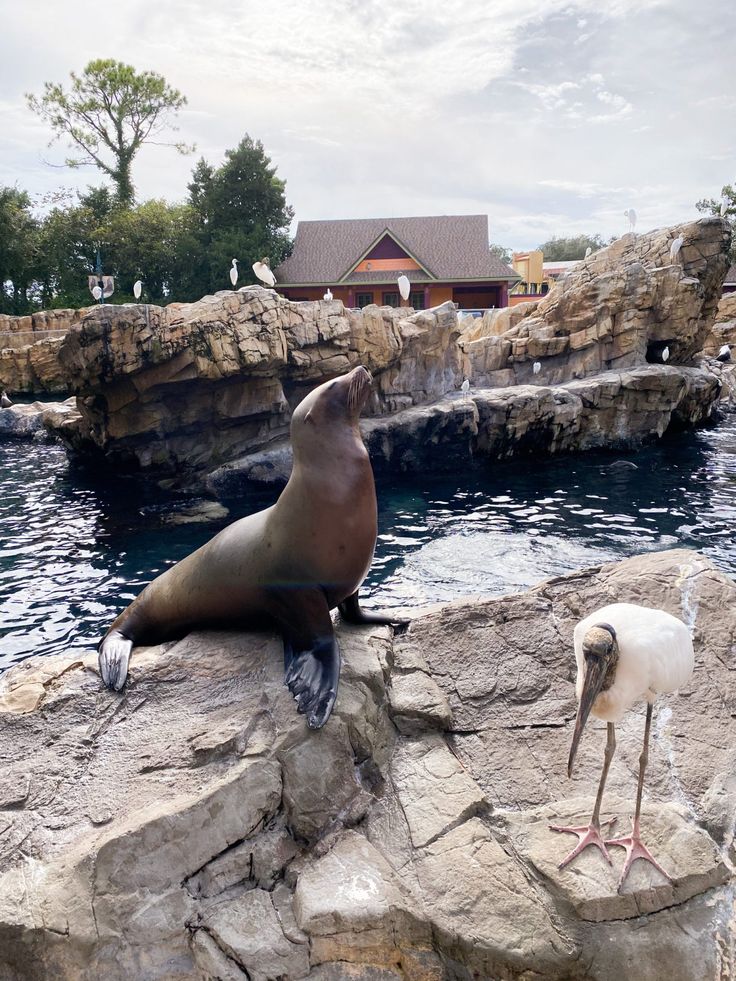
column 619, row 308
column 192, row 827
column 181, row 390
column 29, row 350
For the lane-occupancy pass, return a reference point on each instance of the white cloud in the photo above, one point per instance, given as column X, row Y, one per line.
column 551, row 112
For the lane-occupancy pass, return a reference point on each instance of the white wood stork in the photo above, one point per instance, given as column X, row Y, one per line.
column 675, row 247
column 137, row 289
column 234, row 272
column 631, row 215
column 404, row 286
column 625, row 653
column 328, row 295
column 262, row 270
column 465, row 387
column 724, row 353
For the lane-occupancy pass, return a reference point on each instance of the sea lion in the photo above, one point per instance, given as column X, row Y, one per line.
column 293, row 562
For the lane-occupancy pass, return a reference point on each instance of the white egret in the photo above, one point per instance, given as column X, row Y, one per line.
column 465, row 387
column 724, row 353
column 631, row 215
column 262, row 270
column 137, row 289
column 724, row 206
column 537, row 367
column 404, row 286
column 665, row 355
column 5, row 402
column 625, row 654
column 328, row 295
column 675, row 247
column 588, row 251
column 234, row 272
column 97, row 292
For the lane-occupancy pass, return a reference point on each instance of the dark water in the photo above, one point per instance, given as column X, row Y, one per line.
column 75, row 548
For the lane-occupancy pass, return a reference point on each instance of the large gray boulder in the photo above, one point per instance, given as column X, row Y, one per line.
column 193, row 827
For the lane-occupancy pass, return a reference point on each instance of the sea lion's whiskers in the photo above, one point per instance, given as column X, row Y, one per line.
column 353, row 392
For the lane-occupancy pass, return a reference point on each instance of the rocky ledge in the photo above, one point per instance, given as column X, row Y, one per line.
column 615, row 410
column 192, row 827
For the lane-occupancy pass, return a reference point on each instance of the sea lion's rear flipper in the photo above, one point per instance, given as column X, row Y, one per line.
column 311, row 654
column 351, row 612
column 312, row 677
column 113, row 658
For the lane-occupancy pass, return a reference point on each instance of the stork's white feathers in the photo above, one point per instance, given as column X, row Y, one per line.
column 655, row 656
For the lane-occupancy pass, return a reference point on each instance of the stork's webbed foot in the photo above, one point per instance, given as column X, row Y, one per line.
column 588, row 834
column 635, row 848
column 113, row 659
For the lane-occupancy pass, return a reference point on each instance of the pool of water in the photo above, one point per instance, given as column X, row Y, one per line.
column 76, row 548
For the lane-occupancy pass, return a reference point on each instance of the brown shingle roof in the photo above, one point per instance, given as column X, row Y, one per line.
column 448, row 246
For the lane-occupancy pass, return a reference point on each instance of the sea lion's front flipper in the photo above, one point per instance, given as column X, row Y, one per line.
column 311, row 654
column 113, row 659
column 351, row 612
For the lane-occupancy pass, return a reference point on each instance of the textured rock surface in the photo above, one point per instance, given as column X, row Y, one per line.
column 614, row 409
column 29, row 350
column 612, row 310
column 28, row 421
column 182, row 390
column 192, row 827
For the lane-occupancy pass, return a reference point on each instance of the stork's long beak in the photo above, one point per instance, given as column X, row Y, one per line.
column 595, row 673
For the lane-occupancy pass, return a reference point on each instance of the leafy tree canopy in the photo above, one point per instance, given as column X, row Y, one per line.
column 18, row 251
column 501, row 252
column 107, row 114
column 564, row 249
column 725, row 206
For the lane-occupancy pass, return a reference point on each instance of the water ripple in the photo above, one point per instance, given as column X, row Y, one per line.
column 76, row 548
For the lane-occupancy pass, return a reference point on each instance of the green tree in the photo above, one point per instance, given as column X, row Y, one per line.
column 69, row 236
column 564, row 249
column 19, row 251
column 239, row 211
column 726, row 206
column 501, row 252
column 107, row 115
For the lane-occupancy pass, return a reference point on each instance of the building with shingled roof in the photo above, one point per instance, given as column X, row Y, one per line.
column 445, row 257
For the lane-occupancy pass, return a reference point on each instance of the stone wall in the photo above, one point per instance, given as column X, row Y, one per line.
column 192, row 827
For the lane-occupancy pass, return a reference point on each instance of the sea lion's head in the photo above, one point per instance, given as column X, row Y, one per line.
column 340, row 400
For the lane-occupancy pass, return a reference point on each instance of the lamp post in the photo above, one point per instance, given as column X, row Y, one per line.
column 100, row 286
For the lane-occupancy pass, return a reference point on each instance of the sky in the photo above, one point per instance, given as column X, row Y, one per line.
column 550, row 116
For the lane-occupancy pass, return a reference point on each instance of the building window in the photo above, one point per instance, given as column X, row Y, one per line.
column 363, row 299
column 545, row 288
column 417, row 299
column 391, row 299
column 532, row 287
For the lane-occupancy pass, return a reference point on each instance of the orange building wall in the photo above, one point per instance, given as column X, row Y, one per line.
column 386, row 265
column 439, row 294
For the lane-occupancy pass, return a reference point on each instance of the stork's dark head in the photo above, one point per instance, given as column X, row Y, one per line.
column 600, row 656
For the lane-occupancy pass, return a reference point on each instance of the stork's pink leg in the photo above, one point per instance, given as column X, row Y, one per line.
column 590, row 834
column 633, row 844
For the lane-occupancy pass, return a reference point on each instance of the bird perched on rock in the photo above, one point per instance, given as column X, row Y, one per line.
column 631, row 215
column 465, row 387
column 625, row 654
column 665, row 355
column 137, row 289
column 724, row 353
column 537, row 367
column 328, row 295
column 234, row 272
column 404, row 286
column 5, row 402
column 675, row 247
column 262, row 270
column 588, row 251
